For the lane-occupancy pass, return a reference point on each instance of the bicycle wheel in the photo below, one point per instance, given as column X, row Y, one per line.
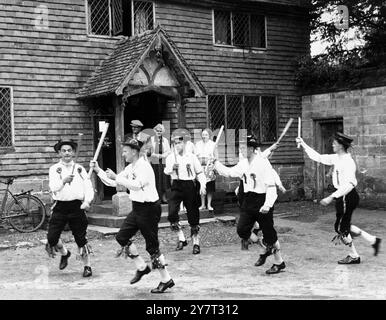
column 26, row 213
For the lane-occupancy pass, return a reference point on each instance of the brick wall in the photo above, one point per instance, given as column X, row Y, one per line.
column 364, row 119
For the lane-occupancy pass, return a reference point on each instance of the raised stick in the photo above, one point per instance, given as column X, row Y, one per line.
column 285, row 129
column 96, row 155
column 299, row 129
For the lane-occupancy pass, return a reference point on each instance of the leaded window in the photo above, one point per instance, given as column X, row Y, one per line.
column 6, row 137
column 239, row 29
column 119, row 17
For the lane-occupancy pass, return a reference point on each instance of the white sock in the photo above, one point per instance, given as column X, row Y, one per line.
column 87, row 261
column 139, row 262
column 254, row 237
column 368, row 237
column 196, row 239
column 353, row 253
column 165, row 276
column 181, row 236
column 277, row 254
column 62, row 249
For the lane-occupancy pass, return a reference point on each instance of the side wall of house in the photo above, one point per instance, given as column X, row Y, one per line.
column 227, row 71
column 364, row 119
column 46, row 64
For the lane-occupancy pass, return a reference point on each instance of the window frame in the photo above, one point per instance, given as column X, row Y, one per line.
column 12, row 111
column 110, row 36
column 243, row 113
column 235, row 47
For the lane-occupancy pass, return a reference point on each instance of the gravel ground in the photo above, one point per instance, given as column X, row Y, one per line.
column 221, row 271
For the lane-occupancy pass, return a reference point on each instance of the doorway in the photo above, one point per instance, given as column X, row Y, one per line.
column 148, row 107
column 324, row 131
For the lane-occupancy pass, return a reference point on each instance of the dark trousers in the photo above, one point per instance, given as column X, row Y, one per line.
column 249, row 214
column 68, row 212
column 344, row 208
column 185, row 191
column 144, row 217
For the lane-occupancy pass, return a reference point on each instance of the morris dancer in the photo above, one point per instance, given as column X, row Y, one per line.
column 72, row 192
column 184, row 167
column 346, row 196
column 257, row 204
column 139, row 178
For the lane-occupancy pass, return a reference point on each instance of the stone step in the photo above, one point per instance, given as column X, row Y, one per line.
column 108, row 220
column 106, row 231
column 107, row 208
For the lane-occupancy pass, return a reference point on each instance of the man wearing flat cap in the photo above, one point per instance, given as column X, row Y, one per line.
column 184, row 167
column 257, row 202
column 72, row 192
column 139, row 178
column 346, row 197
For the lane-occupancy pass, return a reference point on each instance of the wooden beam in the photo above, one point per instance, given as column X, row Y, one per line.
column 180, row 106
column 166, row 91
column 119, row 119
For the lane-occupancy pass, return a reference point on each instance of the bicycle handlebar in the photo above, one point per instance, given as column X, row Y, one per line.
column 9, row 181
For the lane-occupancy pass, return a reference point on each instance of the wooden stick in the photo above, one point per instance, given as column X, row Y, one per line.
column 214, row 148
column 285, row 129
column 96, row 155
column 299, row 129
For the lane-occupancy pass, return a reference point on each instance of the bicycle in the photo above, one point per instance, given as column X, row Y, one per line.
column 25, row 212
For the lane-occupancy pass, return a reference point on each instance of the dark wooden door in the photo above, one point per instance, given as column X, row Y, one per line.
column 324, row 139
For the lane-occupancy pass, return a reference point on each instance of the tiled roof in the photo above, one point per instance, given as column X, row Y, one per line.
column 113, row 70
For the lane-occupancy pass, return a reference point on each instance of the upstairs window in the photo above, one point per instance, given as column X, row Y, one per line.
column 239, row 29
column 119, row 17
column 6, row 118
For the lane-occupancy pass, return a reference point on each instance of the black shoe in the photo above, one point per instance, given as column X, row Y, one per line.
column 376, row 246
column 261, row 259
column 276, row 268
column 163, row 286
column 181, row 245
column 87, row 272
column 196, row 249
column 139, row 274
column 64, row 260
column 350, row 260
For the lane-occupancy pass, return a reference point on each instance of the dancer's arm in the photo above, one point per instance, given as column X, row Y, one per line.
column 327, row 159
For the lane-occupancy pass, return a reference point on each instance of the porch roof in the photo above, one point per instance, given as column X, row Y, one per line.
column 113, row 71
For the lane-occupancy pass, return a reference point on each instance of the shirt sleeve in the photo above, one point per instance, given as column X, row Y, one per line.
column 236, row 171
column 349, row 182
column 107, row 181
column 141, row 180
column 169, row 165
column 55, row 182
column 88, row 188
column 269, row 181
column 197, row 165
column 327, row 159
column 276, row 178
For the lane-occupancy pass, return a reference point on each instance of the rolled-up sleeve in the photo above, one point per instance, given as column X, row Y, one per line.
column 236, row 171
column 327, row 159
column 269, row 181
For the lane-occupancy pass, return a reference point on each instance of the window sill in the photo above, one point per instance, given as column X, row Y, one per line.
column 5, row 150
column 96, row 37
column 228, row 48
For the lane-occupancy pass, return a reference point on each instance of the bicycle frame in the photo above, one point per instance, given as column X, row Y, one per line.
column 4, row 202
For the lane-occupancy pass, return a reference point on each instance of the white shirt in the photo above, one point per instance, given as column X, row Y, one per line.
column 343, row 175
column 187, row 159
column 138, row 177
column 257, row 177
column 205, row 150
column 79, row 189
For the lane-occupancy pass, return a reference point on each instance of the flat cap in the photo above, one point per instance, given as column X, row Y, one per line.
column 136, row 123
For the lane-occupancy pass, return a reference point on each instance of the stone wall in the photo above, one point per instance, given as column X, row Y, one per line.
column 364, row 119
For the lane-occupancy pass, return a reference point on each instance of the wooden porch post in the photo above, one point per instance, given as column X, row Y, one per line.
column 121, row 202
column 180, row 105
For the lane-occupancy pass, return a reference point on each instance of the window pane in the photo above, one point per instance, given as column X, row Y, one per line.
column 117, row 12
column 99, row 17
column 216, row 105
column 268, row 119
column 235, row 122
column 252, row 115
column 258, row 31
column 241, row 29
column 143, row 16
column 5, row 118
column 222, row 27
